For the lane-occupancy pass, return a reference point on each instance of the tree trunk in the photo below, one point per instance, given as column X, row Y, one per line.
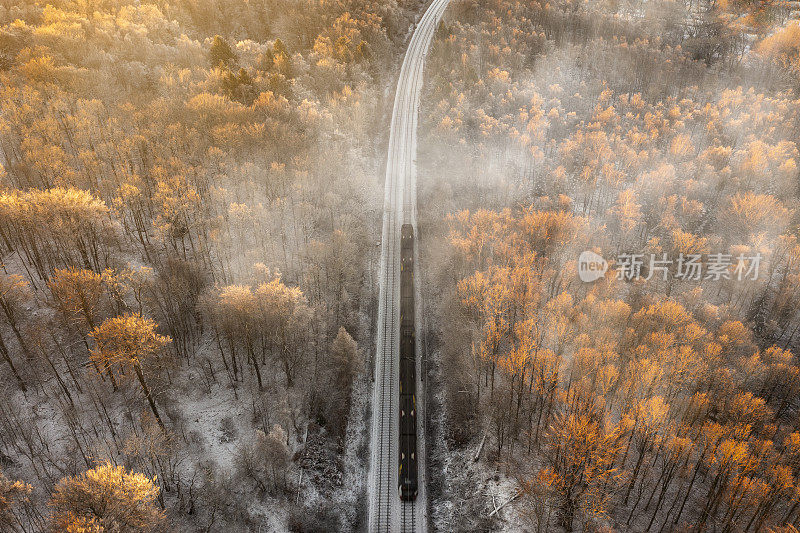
column 7, row 357
column 149, row 397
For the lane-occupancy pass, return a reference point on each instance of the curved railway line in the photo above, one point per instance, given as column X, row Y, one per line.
column 387, row 512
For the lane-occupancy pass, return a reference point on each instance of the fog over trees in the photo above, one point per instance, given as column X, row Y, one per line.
column 191, row 194
column 189, row 203
column 657, row 403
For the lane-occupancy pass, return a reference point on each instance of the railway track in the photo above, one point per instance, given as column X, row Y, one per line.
column 409, row 522
column 387, row 513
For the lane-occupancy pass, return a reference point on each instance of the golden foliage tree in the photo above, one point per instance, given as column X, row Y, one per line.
column 106, row 498
column 10, row 493
column 129, row 341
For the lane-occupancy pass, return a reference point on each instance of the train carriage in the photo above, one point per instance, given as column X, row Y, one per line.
column 407, row 463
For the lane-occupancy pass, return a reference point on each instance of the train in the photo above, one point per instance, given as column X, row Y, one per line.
column 407, row 464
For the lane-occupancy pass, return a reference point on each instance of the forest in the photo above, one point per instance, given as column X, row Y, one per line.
column 188, row 261
column 190, row 202
column 631, row 403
